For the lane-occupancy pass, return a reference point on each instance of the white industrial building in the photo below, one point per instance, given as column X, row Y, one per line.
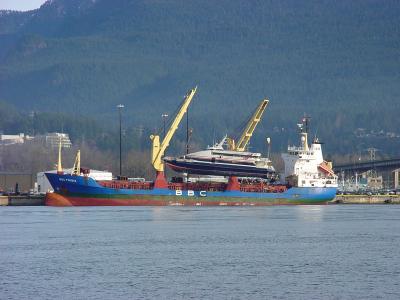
column 53, row 140
column 50, row 140
column 11, row 139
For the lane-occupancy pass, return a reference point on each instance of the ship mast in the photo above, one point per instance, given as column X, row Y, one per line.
column 304, row 132
column 59, row 164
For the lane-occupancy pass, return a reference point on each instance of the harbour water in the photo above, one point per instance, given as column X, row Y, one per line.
column 298, row 252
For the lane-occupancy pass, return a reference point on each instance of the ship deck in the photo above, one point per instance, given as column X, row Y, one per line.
column 244, row 186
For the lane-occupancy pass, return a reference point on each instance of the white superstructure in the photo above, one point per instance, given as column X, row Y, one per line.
column 217, row 153
column 305, row 165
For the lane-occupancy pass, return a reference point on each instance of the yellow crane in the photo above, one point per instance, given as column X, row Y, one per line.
column 158, row 149
column 76, row 169
column 250, row 127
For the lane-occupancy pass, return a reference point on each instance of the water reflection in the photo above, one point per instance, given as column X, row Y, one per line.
column 314, row 213
column 281, row 252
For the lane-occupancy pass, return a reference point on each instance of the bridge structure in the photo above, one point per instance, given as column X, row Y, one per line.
column 388, row 166
column 378, row 165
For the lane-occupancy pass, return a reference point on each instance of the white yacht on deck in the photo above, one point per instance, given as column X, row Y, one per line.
column 216, row 160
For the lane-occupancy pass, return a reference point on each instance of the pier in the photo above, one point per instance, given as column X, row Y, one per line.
column 366, row 199
column 22, row 200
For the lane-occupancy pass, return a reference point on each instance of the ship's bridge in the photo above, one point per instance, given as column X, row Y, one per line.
column 293, row 150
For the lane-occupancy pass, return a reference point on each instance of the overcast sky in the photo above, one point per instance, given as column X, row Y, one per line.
column 21, row 5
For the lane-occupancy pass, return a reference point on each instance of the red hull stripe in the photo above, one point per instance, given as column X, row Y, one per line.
column 54, row 199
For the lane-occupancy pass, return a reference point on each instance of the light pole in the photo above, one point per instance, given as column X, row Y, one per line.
column 164, row 117
column 120, row 107
column 269, row 146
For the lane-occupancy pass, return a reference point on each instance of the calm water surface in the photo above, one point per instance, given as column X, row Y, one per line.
column 302, row 252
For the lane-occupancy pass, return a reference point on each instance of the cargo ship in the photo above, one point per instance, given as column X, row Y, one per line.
column 310, row 180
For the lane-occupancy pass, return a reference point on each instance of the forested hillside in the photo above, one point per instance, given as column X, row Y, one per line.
column 337, row 61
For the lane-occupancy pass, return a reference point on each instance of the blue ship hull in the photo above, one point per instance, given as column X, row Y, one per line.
column 72, row 190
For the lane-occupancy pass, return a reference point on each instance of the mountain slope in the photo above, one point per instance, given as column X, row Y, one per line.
column 336, row 61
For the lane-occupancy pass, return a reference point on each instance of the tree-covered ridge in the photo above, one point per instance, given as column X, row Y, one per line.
column 336, row 61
